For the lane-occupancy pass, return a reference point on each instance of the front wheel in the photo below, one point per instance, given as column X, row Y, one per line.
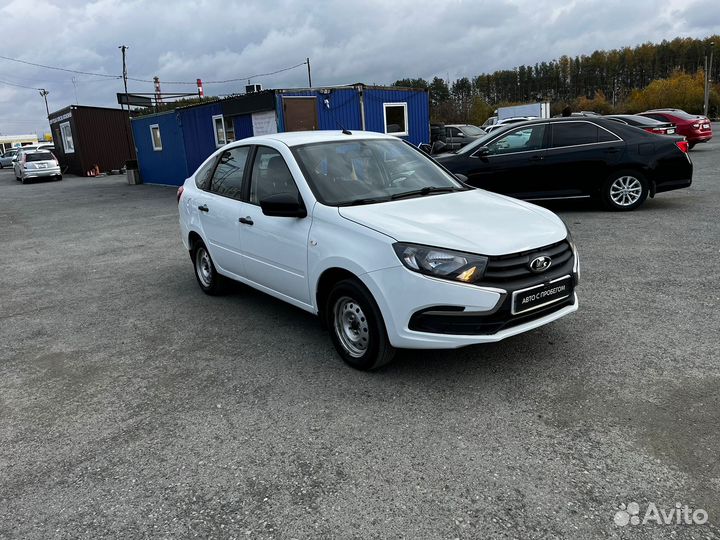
column 209, row 280
column 625, row 191
column 356, row 326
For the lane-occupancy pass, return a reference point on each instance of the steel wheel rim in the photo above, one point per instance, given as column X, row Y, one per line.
column 351, row 326
column 626, row 190
column 203, row 267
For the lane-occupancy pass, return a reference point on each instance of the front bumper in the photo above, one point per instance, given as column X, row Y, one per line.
column 422, row 312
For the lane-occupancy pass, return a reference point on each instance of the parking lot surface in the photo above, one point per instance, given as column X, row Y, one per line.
column 132, row 405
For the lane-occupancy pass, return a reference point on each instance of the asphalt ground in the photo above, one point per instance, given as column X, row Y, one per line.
column 134, row 406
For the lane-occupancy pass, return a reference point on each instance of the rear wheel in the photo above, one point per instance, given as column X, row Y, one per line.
column 625, row 190
column 356, row 326
column 207, row 277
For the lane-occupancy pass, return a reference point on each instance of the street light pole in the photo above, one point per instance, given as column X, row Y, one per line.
column 44, row 93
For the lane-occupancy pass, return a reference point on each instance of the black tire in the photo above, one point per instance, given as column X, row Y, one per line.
column 59, row 178
column 207, row 277
column 356, row 326
column 624, row 191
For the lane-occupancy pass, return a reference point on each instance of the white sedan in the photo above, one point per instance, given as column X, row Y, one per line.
column 386, row 246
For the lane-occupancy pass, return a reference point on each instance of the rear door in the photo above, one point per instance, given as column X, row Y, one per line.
column 219, row 208
column 579, row 157
column 274, row 248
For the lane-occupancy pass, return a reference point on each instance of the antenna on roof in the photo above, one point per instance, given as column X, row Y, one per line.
column 326, row 101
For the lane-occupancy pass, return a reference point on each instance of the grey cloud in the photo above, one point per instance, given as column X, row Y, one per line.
column 372, row 41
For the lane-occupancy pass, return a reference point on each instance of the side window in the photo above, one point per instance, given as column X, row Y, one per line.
column 204, row 174
column 573, row 133
column 605, row 136
column 270, row 175
column 67, row 138
column 228, row 177
column 219, row 130
column 396, row 118
column 519, row 140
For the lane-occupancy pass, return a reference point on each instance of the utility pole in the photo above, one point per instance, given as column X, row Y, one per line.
column 307, row 61
column 124, row 49
column 707, row 78
column 44, row 93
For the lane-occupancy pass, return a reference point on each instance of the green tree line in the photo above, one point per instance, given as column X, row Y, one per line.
column 611, row 81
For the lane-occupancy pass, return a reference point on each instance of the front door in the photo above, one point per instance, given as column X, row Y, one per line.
column 274, row 248
column 512, row 163
column 300, row 113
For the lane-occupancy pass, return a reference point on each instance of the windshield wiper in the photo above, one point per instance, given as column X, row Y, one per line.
column 356, row 202
column 422, row 192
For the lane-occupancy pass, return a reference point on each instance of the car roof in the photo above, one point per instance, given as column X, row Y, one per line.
column 297, row 138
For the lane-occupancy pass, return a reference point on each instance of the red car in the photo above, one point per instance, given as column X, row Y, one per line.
column 696, row 129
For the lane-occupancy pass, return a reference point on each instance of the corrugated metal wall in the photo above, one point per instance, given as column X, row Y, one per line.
column 166, row 166
column 243, row 126
column 197, row 128
column 418, row 111
column 102, row 137
column 344, row 108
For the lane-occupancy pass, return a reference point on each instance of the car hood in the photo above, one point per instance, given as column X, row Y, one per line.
column 476, row 221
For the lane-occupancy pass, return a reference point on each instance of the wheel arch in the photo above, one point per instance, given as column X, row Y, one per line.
column 325, row 282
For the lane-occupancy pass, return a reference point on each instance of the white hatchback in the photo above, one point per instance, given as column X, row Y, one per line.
column 385, row 245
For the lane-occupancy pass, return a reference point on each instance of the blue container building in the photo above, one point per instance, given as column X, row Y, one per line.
column 171, row 145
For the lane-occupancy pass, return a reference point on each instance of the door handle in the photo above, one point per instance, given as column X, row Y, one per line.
column 536, row 158
column 612, row 150
column 203, row 208
column 246, row 220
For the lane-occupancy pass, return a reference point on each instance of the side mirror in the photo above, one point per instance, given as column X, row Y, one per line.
column 283, row 205
column 14, row 159
column 461, row 177
column 425, row 148
column 482, row 151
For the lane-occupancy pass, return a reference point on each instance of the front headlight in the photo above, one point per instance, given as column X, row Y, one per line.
column 576, row 264
column 442, row 263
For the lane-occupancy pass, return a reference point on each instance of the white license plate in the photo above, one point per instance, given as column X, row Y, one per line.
column 706, row 126
column 671, row 131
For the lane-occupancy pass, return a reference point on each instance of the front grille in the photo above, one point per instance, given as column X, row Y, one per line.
column 504, row 269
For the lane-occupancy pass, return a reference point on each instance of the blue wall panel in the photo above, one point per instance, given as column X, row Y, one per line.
column 344, row 108
column 197, row 127
column 418, row 112
column 166, row 166
column 243, row 126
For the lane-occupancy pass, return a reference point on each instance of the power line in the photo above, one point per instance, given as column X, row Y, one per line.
column 226, row 80
column 19, row 85
column 59, row 68
column 147, row 80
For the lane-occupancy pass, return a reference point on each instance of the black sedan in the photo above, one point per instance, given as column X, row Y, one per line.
column 643, row 122
column 574, row 158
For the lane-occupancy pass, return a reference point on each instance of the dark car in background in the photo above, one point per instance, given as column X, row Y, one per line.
column 459, row 135
column 574, row 158
column 643, row 122
column 695, row 128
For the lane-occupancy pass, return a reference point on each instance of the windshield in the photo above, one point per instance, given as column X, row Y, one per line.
column 472, row 131
column 370, row 170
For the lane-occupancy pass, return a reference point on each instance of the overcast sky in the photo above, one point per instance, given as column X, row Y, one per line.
column 371, row 41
